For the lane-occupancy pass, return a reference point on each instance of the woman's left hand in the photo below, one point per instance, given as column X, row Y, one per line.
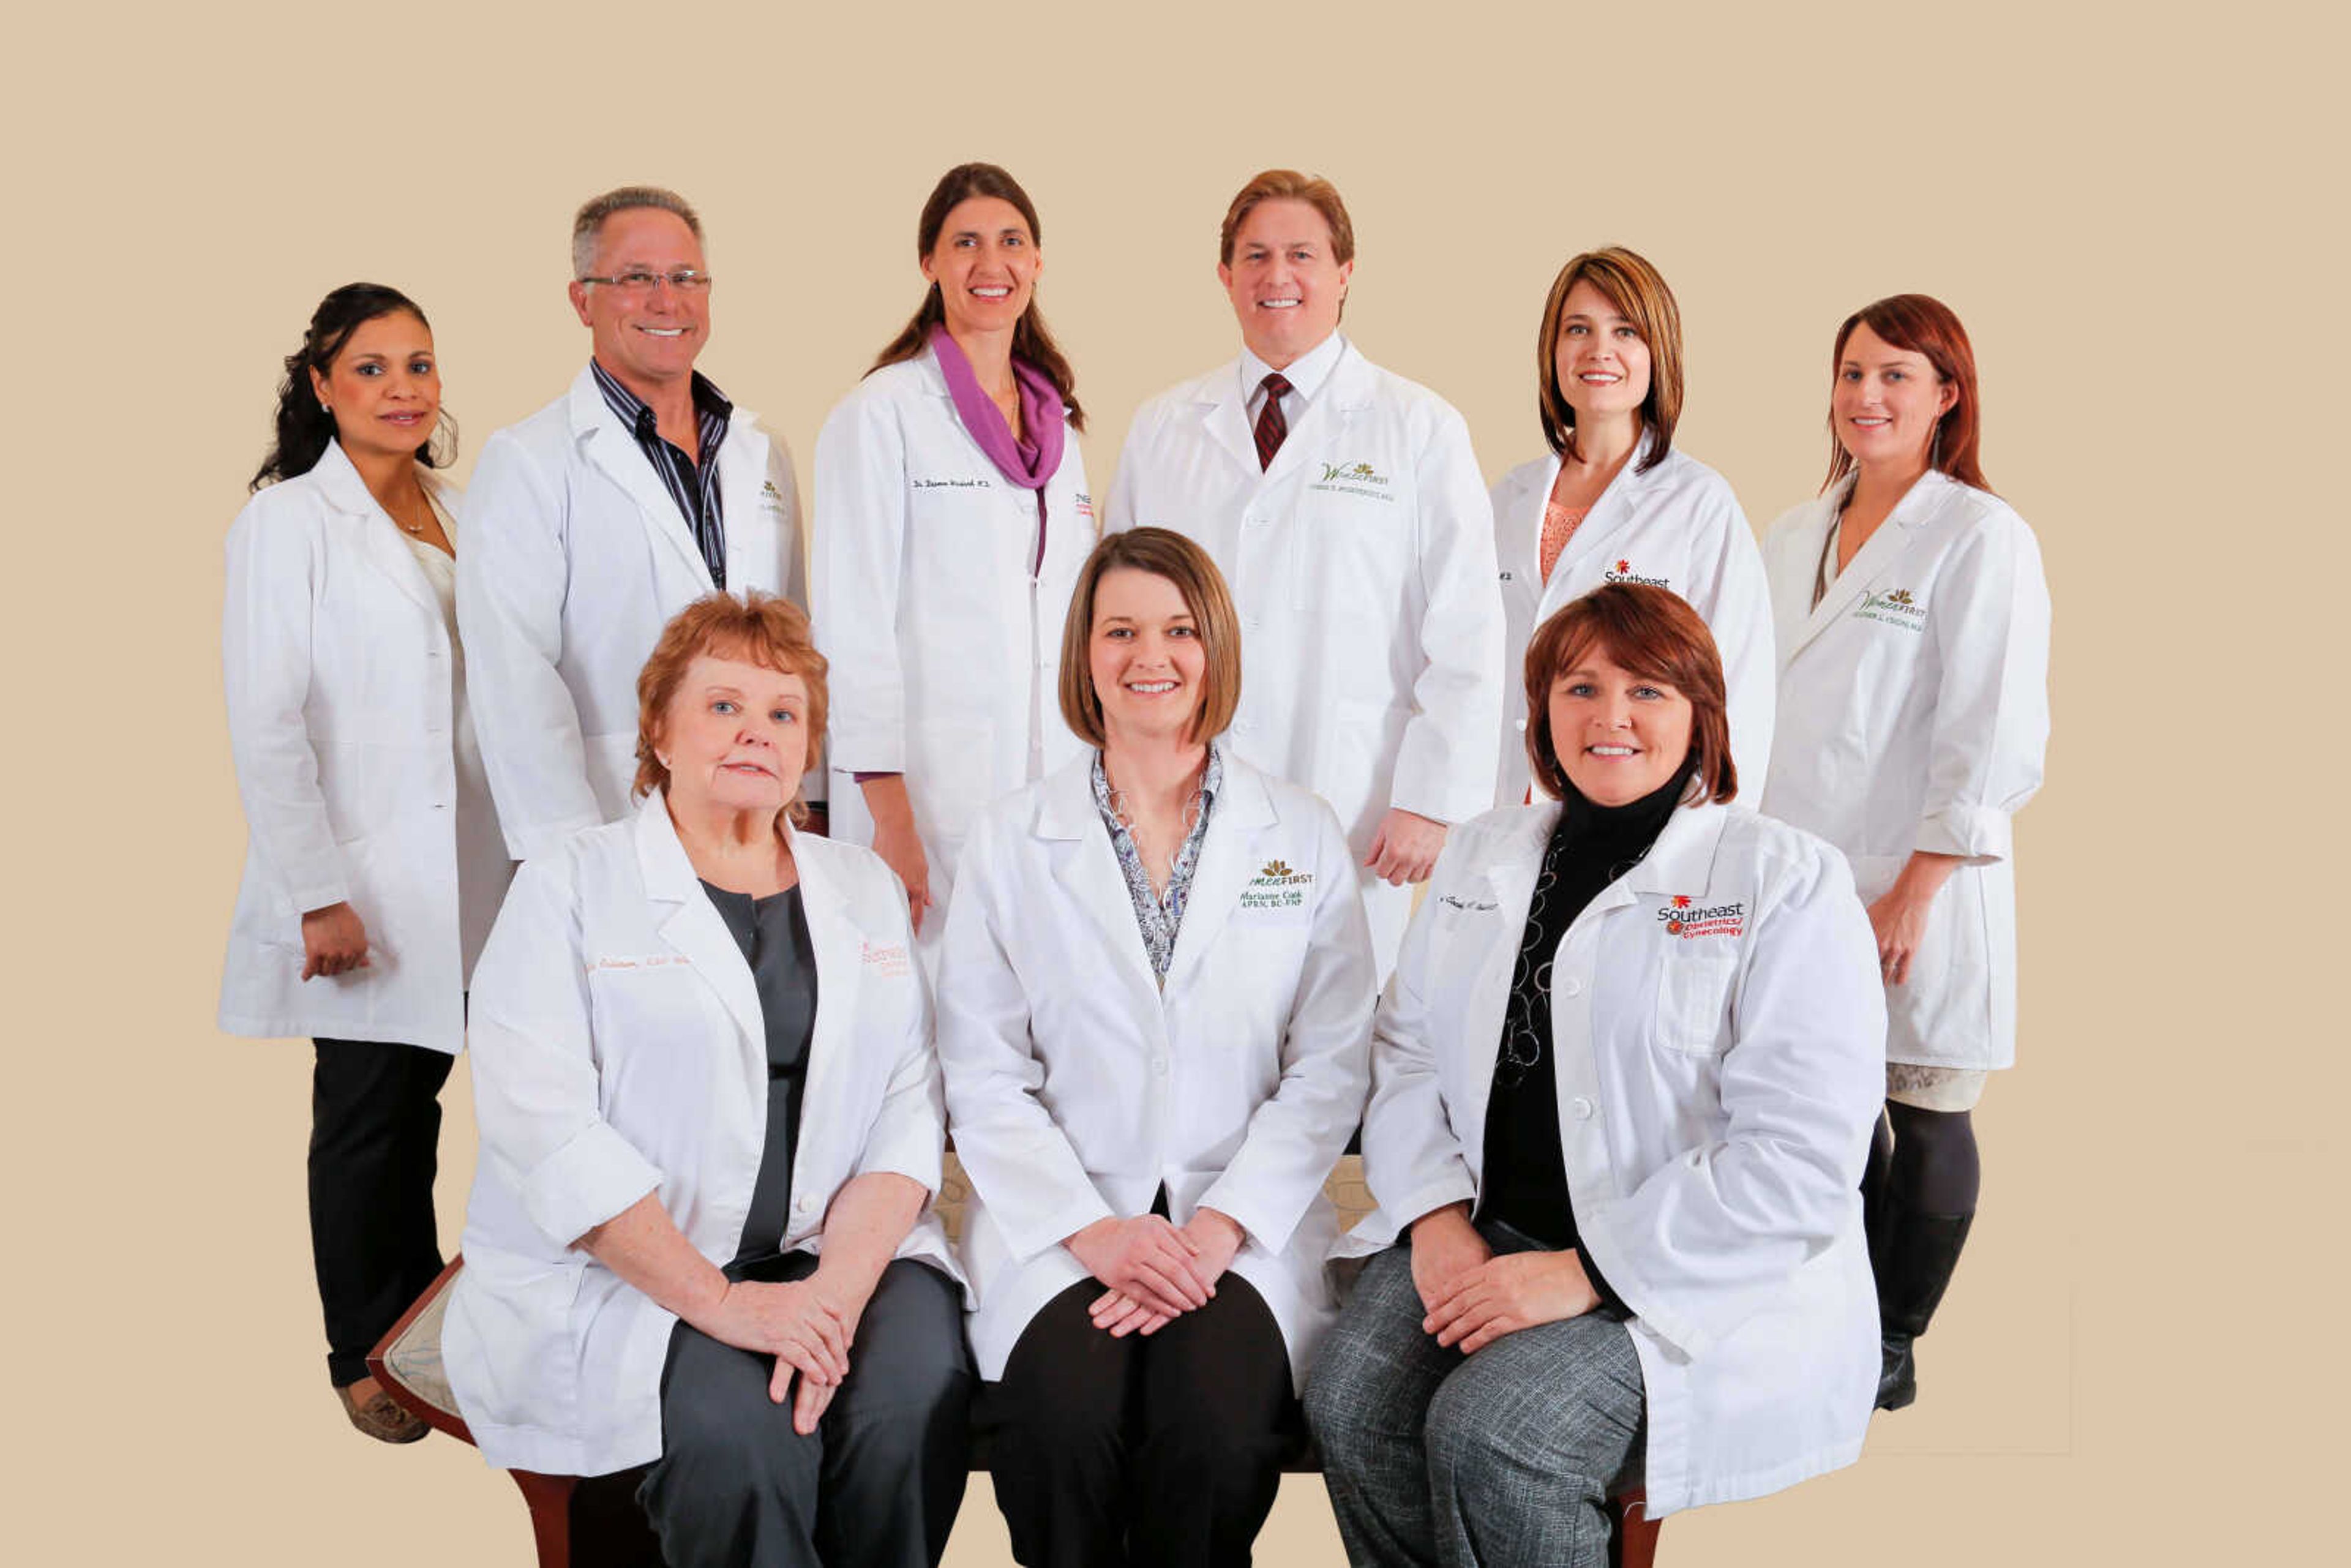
column 1405, row 848
column 1504, row 1294
column 1898, row 919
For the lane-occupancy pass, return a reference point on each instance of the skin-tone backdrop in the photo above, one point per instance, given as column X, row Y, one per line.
column 2125, row 211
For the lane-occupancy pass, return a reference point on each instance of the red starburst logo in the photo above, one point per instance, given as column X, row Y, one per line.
column 1682, row 901
column 1624, row 565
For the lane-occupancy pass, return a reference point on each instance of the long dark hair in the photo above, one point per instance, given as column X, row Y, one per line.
column 304, row 428
column 1030, row 340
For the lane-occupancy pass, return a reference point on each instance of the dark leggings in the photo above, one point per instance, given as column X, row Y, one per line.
column 1927, row 1160
column 375, row 1125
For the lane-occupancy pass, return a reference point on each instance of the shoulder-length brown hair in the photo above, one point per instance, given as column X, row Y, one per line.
column 757, row 628
column 1653, row 634
column 1921, row 324
column 1030, row 340
column 1163, row 552
column 1639, row 290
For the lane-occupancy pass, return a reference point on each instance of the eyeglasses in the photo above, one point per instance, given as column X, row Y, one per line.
column 686, row 280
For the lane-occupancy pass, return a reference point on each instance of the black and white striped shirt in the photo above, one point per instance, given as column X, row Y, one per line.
column 692, row 482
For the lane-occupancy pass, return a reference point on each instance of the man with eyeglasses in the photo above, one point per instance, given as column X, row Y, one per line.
column 592, row 522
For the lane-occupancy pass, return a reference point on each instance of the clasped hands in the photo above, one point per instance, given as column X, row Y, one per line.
column 1474, row 1298
column 807, row 1325
column 1155, row 1271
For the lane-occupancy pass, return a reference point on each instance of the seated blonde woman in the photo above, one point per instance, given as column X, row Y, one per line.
column 710, row 1124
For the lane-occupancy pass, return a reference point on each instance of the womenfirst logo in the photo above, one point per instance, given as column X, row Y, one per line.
column 1685, row 918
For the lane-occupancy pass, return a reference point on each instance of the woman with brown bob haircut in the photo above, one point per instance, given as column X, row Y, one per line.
column 1613, row 500
column 1156, row 996
column 699, row 1239
column 1623, row 1082
column 952, row 512
column 1913, row 626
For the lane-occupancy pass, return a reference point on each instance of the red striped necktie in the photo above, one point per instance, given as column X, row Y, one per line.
column 1270, row 426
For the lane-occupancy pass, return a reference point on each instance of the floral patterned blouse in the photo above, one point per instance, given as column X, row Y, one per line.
column 1159, row 917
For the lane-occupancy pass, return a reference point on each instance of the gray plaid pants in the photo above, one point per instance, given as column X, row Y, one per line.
column 1501, row 1458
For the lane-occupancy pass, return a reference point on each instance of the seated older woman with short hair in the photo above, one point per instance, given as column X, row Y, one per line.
column 1622, row 1085
column 710, row 1123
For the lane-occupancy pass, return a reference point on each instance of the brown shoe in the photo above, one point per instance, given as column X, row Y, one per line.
column 379, row 1414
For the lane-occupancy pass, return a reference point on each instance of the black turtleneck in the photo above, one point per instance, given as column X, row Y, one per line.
column 1524, row 1183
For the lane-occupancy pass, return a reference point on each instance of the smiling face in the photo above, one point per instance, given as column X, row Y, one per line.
column 1145, row 656
column 985, row 264
column 1618, row 736
column 1886, row 402
column 734, row 736
column 1601, row 362
column 646, row 337
column 1285, row 284
column 384, row 387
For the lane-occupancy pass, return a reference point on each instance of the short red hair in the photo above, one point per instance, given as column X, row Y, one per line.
column 1921, row 324
column 1653, row 634
column 757, row 628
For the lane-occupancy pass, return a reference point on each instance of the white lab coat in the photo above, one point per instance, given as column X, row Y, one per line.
column 620, row 1049
column 574, row 559
column 1914, row 711
column 1677, row 527
column 943, row 629
column 1362, row 563
column 1077, row 1088
column 1718, row 1071
column 357, row 783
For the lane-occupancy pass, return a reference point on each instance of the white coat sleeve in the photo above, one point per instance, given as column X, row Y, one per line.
column 1123, row 511
column 1295, row 1138
column 1989, row 619
column 1020, row 1162
column 792, row 571
column 536, row 1088
column 1712, row 1236
column 859, row 545
column 266, row 621
column 512, row 577
column 1445, row 765
column 909, row 1135
column 1413, row 1162
column 1735, row 600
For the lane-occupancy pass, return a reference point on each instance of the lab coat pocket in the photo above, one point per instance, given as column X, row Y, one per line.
column 1693, row 981
column 1354, row 541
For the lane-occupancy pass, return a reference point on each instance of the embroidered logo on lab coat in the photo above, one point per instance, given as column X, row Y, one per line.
column 770, row 496
column 1624, row 573
column 1895, row 607
column 1086, row 507
column 1353, row 479
column 1683, row 917
column 1276, row 887
column 886, row 960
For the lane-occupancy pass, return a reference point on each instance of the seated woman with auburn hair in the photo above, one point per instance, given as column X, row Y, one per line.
column 710, row 1125
column 1622, row 1088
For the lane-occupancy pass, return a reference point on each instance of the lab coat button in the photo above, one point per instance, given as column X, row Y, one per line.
column 1518, row 723
column 1159, row 1065
column 1571, row 987
column 1582, row 1107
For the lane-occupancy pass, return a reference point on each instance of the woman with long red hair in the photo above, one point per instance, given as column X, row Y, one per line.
column 1912, row 620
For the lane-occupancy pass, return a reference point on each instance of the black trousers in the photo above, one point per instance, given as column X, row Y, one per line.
column 1158, row 1450
column 375, row 1131
column 878, row 1484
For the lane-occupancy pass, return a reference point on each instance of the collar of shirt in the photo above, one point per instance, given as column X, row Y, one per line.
column 711, row 407
column 1159, row 917
column 1306, row 375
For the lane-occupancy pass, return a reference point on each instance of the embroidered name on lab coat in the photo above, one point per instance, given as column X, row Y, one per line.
column 1276, row 887
column 649, row 961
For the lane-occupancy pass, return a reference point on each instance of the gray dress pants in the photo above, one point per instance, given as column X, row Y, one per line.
column 878, row 1484
column 1506, row 1457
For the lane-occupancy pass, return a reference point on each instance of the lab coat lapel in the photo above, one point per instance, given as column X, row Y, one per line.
column 1883, row 551
column 380, row 538
column 1519, row 545
column 1321, row 429
column 839, row 947
column 1084, row 863
column 1602, row 529
column 1510, row 877
column 691, row 923
column 613, row 449
column 1227, row 861
column 1226, row 417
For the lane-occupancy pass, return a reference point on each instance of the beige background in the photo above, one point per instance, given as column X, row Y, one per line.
column 2126, row 209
